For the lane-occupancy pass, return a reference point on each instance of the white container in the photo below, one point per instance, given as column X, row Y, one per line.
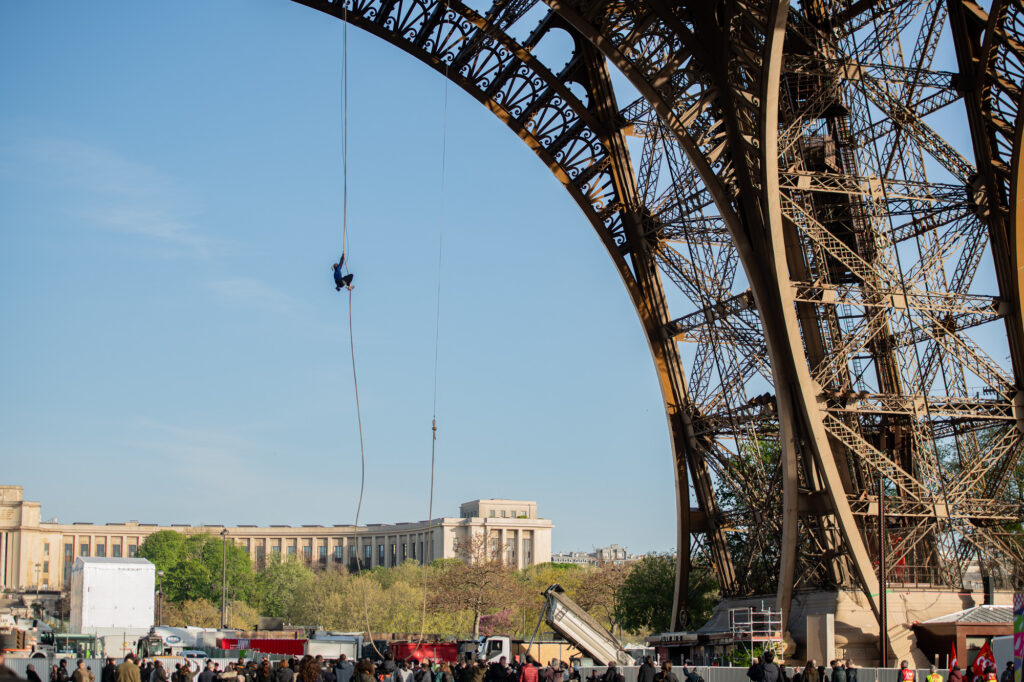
column 112, row 594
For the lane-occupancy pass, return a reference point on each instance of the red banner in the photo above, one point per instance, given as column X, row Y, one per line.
column 984, row 660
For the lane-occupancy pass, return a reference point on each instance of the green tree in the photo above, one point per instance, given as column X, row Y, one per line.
column 192, row 566
column 163, row 548
column 279, row 585
column 644, row 602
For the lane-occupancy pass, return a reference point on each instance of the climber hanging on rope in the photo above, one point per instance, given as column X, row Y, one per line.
column 341, row 280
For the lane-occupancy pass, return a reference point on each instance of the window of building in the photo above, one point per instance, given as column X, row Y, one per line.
column 291, row 550
column 322, row 553
column 380, row 555
column 338, row 553
column 368, row 553
column 394, row 554
column 46, row 549
column 307, row 551
column 528, row 547
column 132, row 549
column 115, row 551
column 412, row 548
column 405, row 551
column 83, row 549
column 69, row 551
column 503, row 514
column 46, row 568
column 276, row 549
column 101, row 549
column 510, row 550
column 423, row 557
column 261, row 557
column 491, row 514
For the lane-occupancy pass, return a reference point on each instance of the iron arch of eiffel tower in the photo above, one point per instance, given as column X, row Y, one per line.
column 846, row 321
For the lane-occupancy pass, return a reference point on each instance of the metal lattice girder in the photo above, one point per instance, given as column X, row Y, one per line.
column 832, row 326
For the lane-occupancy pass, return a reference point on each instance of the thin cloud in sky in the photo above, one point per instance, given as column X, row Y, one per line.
column 253, row 293
column 118, row 194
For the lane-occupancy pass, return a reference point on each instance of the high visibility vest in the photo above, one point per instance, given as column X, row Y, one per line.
column 906, row 675
column 991, row 677
column 934, row 677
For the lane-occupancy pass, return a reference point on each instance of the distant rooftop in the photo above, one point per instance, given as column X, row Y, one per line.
column 985, row 613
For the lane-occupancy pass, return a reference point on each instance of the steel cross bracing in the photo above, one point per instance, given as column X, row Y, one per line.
column 845, row 299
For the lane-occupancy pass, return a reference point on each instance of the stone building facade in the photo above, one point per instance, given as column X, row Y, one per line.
column 37, row 554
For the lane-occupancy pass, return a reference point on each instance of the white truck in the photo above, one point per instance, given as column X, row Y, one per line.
column 332, row 645
column 565, row 617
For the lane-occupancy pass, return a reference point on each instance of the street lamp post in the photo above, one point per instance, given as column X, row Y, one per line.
column 224, row 578
column 159, row 598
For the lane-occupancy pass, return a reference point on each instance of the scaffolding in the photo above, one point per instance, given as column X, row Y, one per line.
column 755, row 630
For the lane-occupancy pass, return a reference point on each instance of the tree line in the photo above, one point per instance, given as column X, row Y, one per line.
column 474, row 595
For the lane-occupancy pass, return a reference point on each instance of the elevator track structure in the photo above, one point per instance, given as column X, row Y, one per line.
column 829, row 194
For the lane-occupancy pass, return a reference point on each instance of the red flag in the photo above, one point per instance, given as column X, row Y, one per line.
column 952, row 658
column 984, row 659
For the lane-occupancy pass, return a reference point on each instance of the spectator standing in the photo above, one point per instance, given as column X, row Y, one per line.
column 31, row 675
column 128, row 671
column 811, row 672
column 344, row 669
column 528, row 672
column 906, row 673
column 80, row 674
column 284, row 673
column 666, row 674
column 647, row 670
column 1007, row 673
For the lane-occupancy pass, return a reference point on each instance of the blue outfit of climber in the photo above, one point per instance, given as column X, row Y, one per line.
column 341, row 280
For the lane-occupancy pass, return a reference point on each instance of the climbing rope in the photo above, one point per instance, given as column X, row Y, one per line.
column 437, row 344
column 352, row 346
column 351, row 326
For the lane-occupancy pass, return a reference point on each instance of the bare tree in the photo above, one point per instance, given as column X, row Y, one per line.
column 482, row 582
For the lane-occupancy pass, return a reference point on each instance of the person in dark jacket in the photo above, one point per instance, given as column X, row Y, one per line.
column 207, row 675
column 612, row 674
column 851, row 671
column 498, row 671
column 284, row 673
column 1007, row 673
column 647, row 670
column 666, row 674
column 31, row 675
column 109, row 672
column 770, row 671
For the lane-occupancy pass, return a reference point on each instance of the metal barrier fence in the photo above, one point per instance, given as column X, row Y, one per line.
column 733, row 674
column 42, row 665
column 709, row 673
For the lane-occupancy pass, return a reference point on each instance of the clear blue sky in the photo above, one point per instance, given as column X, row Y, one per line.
column 173, row 349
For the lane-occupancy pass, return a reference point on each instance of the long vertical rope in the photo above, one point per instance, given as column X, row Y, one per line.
column 351, row 326
column 437, row 340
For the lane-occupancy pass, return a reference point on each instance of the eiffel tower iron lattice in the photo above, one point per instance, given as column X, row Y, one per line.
column 845, row 283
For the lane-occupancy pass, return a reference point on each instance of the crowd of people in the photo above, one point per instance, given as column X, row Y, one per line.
column 765, row 669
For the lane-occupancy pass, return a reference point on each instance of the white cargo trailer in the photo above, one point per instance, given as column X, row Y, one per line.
column 109, row 594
